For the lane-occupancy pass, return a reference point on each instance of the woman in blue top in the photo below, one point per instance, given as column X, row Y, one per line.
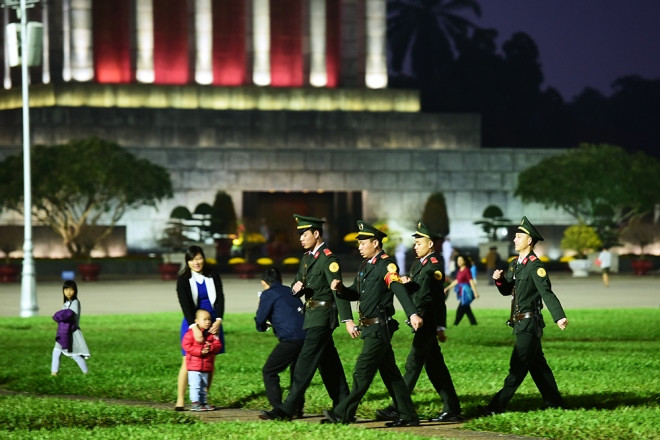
column 197, row 288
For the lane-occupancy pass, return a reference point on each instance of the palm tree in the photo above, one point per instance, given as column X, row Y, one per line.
column 423, row 35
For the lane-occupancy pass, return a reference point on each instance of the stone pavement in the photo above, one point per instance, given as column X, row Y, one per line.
column 149, row 294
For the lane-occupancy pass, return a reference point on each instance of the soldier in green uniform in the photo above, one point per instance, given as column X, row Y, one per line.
column 318, row 268
column 374, row 287
column 425, row 287
column 527, row 281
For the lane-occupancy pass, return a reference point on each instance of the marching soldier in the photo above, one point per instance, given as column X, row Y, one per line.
column 425, row 286
column 375, row 286
column 318, row 268
column 527, row 281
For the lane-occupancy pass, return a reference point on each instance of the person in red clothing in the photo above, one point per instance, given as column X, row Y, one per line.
column 200, row 357
column 466, row 289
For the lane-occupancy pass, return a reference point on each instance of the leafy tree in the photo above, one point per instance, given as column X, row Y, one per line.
column 590, row 180
column 81, row 185
column 581, row 239
column 223, row 216
column 423, row 35
column 435, row 214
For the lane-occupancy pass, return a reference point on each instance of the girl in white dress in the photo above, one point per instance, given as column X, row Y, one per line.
column 69, row 339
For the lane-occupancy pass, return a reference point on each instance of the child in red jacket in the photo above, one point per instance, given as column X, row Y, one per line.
column 200, row 357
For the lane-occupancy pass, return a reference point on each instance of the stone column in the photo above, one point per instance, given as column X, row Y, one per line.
column 376, row 56
column 144, row 41
column 261, row 42
column 82, row 61
column 203, row 42
column 317, row 35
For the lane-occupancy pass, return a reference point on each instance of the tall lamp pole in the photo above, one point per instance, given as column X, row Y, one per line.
column 28, row 283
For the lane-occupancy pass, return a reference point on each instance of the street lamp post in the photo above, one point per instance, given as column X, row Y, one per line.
column 28, row 282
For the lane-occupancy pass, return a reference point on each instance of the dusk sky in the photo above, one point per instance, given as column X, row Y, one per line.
column 582, row 42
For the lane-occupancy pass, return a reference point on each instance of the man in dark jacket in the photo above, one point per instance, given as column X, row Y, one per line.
column 527, row 281
column 318, row 268
column 283, row 312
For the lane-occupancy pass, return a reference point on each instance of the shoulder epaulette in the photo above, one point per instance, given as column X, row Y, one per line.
column 384, row 256
column 434, row 260
column 327, row 252
column 532, row 257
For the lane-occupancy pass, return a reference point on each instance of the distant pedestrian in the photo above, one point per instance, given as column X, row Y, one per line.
column 493, row 261
column 200, row 359
column 465, row 288
column 69, row 340
column 280, row 310
column 605, row 260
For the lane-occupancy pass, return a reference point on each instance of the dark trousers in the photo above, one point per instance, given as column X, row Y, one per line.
column 283, row 355
column 464, row 310
column 425, row 353
column 318, row 351
column 376, row 355
column 527, row 356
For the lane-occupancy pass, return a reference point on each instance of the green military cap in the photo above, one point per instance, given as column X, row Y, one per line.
column 424, row 231
column 365, row 230
column 529, row 229
column 305, row 223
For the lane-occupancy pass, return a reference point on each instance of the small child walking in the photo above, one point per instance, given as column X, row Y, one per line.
column 69, row 339
column 200, row 358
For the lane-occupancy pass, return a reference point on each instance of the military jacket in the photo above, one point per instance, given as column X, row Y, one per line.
column 316, row 273
column 426, row 289
column 532, row 285
column 374, row 287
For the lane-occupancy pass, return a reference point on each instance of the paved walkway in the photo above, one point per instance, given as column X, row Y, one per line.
column 150, row 294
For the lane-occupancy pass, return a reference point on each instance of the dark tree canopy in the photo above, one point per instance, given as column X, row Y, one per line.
column 592, row 181
column 435, row 214
column 83, row 184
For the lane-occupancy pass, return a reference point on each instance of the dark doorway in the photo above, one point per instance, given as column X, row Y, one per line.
column 273, row 212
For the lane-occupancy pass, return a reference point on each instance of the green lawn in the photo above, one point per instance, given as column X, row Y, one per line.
column 607, row 365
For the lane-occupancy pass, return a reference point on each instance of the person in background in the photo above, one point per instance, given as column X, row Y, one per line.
column 200, row 360
column 466, row 290
column 282, row 312
column 605, row 259
column 69, row 339
column 493, row 261
column 447, row 254
column 197, row 287
column 527, row 282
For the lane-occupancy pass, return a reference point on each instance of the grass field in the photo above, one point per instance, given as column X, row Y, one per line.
column 607, row 365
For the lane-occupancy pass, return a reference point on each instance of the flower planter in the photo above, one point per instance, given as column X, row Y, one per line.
column 89, row 271
column 168, row 271
column 245, row 270
column 9, row 273
column 580, row 267
column 641, row 267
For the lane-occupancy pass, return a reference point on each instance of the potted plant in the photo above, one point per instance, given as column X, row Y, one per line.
column 245, row 248
column 174, row 241
column 9, row 242
column 642, row 231
column 493, row 219
column 581, row 239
